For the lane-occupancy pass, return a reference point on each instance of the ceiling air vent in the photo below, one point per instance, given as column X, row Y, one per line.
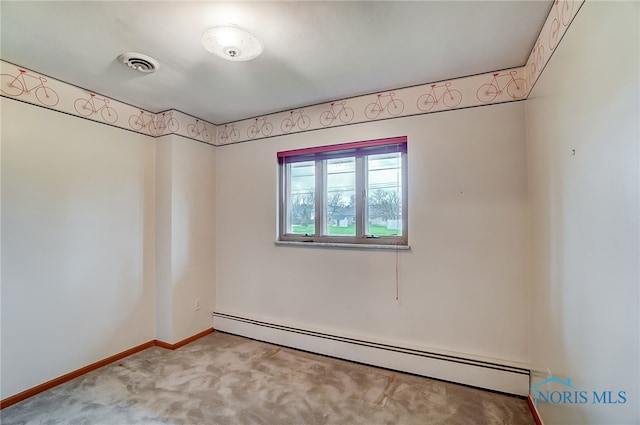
column 139, row 62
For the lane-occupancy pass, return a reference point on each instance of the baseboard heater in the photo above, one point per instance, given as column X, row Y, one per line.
column 506, row 377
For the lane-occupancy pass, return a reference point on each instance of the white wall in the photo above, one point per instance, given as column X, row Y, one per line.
column 463, row 286
column 163, row 248
column 77, row 243
column 104, row 248
column 185, row 229
column 584, row 208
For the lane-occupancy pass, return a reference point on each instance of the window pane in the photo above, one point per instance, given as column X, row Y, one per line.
column 301, row 198
column 384, row 194
column 340, row 204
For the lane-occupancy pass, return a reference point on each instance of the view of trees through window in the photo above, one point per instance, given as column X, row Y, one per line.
column 340, row 198
column 384, row 194
column 301, row 218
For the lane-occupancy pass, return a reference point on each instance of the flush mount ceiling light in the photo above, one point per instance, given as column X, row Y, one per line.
column 231, row 43
column 139, row 62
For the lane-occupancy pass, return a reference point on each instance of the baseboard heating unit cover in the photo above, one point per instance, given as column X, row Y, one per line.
column 492, row 374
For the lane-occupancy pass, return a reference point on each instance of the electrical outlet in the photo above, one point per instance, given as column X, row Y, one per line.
column 197, row 304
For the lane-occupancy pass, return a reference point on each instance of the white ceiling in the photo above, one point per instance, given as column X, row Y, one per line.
column 314, row 51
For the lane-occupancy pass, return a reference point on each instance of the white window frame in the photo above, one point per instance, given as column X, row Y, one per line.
column 360, row 151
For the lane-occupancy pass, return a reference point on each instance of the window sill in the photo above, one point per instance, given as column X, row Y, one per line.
column 344, row 245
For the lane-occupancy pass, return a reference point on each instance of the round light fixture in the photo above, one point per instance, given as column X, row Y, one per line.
column 231, row 43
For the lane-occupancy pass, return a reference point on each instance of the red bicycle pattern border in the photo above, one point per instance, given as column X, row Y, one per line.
column 198, row 130
column 516, row 88
column 165, row 122
column 342, row 111
column 17, row 85
column 295, row 118
column 17, row 81
column 450, row 97
column 391, row 105
column 261, row 126
column 230, row 132
column 143, row 120
column 563, row 10
column 537, row 61
column 87, row 107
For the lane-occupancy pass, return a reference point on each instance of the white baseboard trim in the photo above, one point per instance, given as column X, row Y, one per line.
column 491, row 374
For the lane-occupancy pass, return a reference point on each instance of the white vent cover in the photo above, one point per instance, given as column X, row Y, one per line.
column 139, row 62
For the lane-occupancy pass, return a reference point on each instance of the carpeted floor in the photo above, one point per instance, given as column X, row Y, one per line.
column 226, row 379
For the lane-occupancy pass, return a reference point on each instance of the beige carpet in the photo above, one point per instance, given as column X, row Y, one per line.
column 226, row 379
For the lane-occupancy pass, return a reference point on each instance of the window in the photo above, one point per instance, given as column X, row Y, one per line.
column 355, row 193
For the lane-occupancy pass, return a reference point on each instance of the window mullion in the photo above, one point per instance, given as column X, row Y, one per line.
column 405, row 198
column 361, row 195
column 285, row 198
column 319, row 199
